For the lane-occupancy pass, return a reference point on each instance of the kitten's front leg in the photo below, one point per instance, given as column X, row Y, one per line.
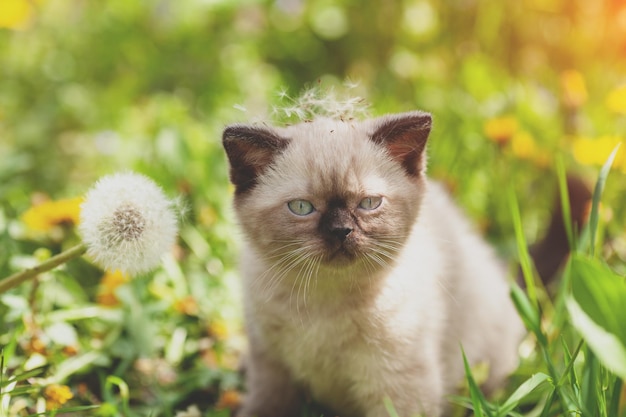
column 416, row 407
column 430, row 410
column 417, row 392
column 271, row 390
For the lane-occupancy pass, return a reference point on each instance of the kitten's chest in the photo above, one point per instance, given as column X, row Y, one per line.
column 328, row 353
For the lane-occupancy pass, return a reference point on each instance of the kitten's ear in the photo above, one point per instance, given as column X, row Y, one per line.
column 404, row 135
column 250, row 150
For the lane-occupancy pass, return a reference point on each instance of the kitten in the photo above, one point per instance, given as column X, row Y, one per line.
column 361, row 278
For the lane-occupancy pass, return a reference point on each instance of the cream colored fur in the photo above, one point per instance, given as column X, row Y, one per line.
column 391, row 322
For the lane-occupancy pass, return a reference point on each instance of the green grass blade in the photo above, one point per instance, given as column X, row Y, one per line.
column 63, row 411
column 595, row 202
column 122, row 390
column 560, row 308
column 528, row 312
column 2, row 399
column 570, row 372
column 18, row 390
column 565, row 202
column 591, row 378
column 1, row 371
column 23, row 376
column 480, row 404
column 613, row 409
column 532, row 319
column 548, row 405
column 522, row 249
column 391, row 410
column 523, row 390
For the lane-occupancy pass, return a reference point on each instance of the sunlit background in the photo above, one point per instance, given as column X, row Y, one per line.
column 89, row 88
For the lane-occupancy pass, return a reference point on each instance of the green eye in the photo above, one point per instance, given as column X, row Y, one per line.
column 300, row 207
column 370, row 203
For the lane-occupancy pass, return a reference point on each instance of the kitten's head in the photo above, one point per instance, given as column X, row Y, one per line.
column 329, row 194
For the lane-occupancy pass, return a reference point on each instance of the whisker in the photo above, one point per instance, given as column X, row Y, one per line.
column 280, row 269
column 443, row 286
column 377, row 259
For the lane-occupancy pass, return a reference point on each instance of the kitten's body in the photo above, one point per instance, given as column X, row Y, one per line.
column 352, row 304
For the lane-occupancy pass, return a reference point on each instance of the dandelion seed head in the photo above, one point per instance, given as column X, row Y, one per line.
column 127, row 223
column 317, row 101
column 240, row 108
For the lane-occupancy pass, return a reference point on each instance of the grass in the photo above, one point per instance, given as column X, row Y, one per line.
column 583, row 375
column 574, row 361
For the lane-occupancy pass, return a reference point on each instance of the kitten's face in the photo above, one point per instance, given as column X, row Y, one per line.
column 328, row 194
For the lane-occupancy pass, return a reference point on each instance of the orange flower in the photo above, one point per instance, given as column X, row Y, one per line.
column 45, row 216
column 574, row 88
column 70, row 350
column 187, row 305
column 56, row 395
column 36, row 345
column 109, row 283
column 228, row 399
column 501, row 129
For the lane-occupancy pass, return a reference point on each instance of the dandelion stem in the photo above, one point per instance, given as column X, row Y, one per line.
column 19, row 277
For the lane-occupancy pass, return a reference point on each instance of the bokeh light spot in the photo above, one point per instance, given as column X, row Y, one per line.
column 330, row 22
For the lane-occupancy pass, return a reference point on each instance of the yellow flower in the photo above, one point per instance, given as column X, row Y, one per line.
column 616, row 100
column 45, row 216
column 574, row 88
column 57, row 395
column 109, row 283
column 595, row 151
column 219, row 329
column 15, row 13
column 501, row 129
column 207, row 216
column 523, row 145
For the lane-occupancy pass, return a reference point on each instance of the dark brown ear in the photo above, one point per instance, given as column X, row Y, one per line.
column 404, row 135
column 250, row 150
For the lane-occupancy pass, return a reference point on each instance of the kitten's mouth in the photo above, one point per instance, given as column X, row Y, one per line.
column 341, row 256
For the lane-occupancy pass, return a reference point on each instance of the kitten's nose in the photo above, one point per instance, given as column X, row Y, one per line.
column 341, row 233
column 337, row 223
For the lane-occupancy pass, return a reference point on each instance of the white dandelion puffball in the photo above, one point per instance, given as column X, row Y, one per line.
column 127, row 223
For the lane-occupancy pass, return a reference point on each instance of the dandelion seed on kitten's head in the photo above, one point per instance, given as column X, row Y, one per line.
column 317, row 101
column 127, row 223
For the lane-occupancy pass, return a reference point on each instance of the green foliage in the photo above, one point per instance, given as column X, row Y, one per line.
column 573, row 385
column 597, row 294
column 90, row 88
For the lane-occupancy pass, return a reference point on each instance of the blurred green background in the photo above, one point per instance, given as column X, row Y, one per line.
column 93, row 87
column 88, row 88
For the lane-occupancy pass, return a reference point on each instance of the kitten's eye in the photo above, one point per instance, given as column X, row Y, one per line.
column 300, row 207
column 370, row 203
